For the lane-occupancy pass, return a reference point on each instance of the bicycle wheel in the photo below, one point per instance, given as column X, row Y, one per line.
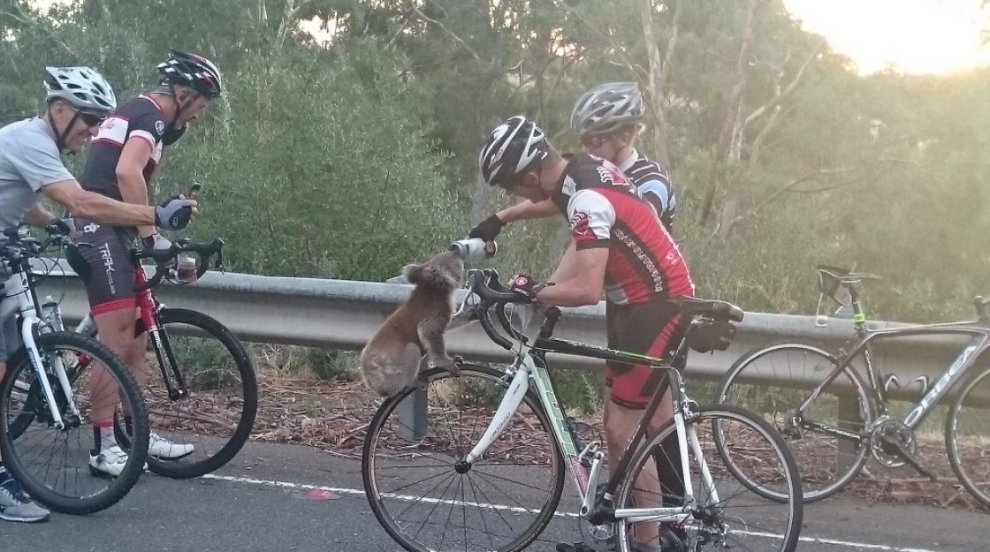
column 967, row 436
column 773, row 381
column 727, row 514
column 205, row 429
column 427, row 500
column 51, row 463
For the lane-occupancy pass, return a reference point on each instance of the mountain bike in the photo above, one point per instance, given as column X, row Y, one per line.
column 45, row 396
column 475, row 460
column 206, row 398
column 834, row 420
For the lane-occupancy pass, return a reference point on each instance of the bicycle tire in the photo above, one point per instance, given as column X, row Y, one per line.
column 453, row 403
column 968, row 456
column 736, row 520
column 213, row 446
column 768, row 381
column 15, row 449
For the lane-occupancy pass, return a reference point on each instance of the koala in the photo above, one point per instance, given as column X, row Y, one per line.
column 421, row 321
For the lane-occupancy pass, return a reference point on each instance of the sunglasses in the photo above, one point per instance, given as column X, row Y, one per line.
column 91, row 119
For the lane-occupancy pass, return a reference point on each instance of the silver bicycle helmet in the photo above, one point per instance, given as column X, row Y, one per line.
column 82, row 87
column 607, row 108
column 512, row 147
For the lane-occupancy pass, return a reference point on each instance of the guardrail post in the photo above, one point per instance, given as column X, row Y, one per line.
column 412, row 415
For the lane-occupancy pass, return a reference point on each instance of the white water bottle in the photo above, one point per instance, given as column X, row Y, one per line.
column 51, row 314
column 473, row 248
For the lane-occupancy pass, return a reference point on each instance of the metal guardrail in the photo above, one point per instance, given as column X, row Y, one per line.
column 343, row 314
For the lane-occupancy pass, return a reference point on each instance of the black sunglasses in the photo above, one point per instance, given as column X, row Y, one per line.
column 91, row 119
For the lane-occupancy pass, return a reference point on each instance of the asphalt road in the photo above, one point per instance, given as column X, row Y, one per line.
column 265, row 500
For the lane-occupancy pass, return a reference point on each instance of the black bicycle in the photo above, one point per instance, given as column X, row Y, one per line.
column 834, row 420
column 203, row 397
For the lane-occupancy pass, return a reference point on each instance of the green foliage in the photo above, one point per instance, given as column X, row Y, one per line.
column 351, row 160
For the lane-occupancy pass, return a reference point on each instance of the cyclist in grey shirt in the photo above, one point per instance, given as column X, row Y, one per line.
column 78, row 100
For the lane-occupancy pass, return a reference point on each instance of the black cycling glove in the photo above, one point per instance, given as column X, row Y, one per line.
column 487, row 229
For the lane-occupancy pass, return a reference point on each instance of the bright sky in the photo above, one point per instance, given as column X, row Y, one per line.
column 912, row 36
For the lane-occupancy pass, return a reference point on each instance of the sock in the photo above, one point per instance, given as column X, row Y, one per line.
column 129, row 425
column 103, row 436
column 3, row 472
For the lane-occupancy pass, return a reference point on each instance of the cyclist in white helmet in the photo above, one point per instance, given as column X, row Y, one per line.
column 607, row 120
column 78, row 100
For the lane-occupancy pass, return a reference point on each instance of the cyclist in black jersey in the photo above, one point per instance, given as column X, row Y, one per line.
column 124, row 158
column 607, row 120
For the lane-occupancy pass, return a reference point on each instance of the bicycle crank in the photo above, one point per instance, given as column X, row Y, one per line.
column 894, row 444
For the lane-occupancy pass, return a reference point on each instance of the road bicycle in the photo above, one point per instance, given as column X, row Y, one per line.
column 476, row 460
column 203, row 397
column 834, row 420
column 45, row 396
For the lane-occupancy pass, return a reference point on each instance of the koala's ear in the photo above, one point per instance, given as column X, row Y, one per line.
column 413, row 273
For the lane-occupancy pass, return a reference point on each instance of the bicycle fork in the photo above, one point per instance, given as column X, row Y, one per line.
column 175, row 383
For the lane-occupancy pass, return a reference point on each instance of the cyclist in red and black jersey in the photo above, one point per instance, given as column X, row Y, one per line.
column 122, row 161
column 617, row 246
column 607, row 120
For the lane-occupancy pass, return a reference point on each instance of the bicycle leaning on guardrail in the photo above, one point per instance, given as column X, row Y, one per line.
column 476, row 460
column 45, row 414
column 206, row 398
column 834, row 420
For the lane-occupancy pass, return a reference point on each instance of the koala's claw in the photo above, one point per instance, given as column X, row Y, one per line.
column 449, row 364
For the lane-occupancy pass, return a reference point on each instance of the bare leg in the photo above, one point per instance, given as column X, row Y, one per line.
column 620, row 425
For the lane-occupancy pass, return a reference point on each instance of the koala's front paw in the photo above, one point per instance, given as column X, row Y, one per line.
column 448, row 364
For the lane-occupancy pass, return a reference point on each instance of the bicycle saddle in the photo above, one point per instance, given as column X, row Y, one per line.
column 691, row 307
column 844, row 275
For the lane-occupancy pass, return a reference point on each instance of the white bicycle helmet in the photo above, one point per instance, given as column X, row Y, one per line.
column 512, row 147
column 607, row 108
column 82, row 87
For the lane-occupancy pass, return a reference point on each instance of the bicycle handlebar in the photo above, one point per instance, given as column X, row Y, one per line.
column 204, row 251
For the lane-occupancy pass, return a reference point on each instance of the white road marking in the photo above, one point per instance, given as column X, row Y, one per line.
column 360, row 492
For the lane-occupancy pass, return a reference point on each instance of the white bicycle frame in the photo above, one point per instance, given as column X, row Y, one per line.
column 524, row 370
column 18, row 297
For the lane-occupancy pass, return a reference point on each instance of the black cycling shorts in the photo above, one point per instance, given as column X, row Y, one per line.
column 101, row 256
column 654, row 329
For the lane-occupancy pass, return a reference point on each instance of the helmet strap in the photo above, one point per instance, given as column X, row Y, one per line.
column 180, row 106
column 61, row 135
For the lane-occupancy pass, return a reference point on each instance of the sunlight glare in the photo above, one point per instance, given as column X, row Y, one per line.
column 911, row 36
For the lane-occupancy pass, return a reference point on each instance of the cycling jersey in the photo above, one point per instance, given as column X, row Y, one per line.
column 29, row 161
column 653, row 184
column 101, row 252
column 604, row 210
column 139, row 118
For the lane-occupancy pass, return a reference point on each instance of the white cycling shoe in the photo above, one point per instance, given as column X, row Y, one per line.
column 160, row 447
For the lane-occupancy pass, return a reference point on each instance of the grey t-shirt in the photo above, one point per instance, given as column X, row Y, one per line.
column 29, row 161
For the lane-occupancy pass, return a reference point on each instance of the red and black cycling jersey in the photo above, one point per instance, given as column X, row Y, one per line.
column 139, row 118
column 605, row 210
column 653, row 184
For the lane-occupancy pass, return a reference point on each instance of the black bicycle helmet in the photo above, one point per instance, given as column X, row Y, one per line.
column 512, row 148
column 192, row 70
